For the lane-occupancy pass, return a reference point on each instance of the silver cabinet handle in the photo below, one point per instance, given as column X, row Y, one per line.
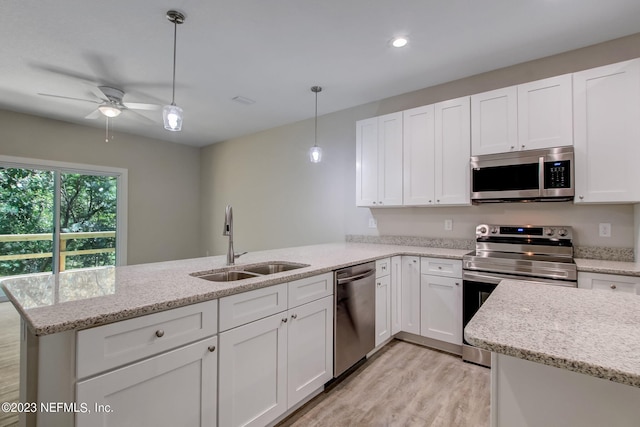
column 211, row 348
column 380, row 202
column 284, row 320
column 438, row 201
column 294, row 316
column 374, row 203
column 159, row 333
column 415, row 260
column 523, row 146
column 613, row 286
column 439, row 267
column 581, row 197
column 512, row 147
column 378, row 284
column 457, row 283
column 429, row 201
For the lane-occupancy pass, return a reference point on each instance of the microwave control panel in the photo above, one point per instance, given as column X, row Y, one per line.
column 557, row 174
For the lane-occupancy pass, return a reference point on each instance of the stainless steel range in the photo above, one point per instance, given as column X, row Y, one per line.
column 541, row 254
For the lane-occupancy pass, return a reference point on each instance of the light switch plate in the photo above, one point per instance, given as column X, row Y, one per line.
column 373, row 223
column 448, row 224
column 604, row 229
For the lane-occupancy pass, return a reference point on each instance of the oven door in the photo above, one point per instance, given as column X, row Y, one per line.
column 475, row 291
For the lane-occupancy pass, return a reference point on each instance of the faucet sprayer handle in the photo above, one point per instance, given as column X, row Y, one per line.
column 239, row 255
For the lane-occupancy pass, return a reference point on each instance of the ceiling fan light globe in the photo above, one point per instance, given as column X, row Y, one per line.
column 109, row 111
column 172, row 118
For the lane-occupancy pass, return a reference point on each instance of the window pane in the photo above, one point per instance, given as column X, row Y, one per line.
column 87, row 221
column 26, row 221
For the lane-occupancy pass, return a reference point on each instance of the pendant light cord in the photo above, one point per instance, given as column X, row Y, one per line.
column 175, row 36
column 315, row 143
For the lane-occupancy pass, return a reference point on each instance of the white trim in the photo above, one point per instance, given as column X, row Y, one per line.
column 122, row 189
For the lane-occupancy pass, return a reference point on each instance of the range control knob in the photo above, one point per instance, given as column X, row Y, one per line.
column 494, row 230
column 482, row 230
column 563, row 232
column 549, row 231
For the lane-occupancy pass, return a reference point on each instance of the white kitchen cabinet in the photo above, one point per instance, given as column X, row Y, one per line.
column 379, row 161
column 310, row 348
column 253, row 372
column 246, row 307
column 441, row 299
column 419, row 156
column 441, row 308
column 176, row 388
column 383, row 309
column 529, row 116
column 609, row 282
column 396, row 294
column 411, row 294
column 436, row 144
column 545, row 113
column 494, row 121
column 607, row 131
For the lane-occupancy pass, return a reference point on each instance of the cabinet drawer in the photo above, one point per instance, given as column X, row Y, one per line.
column 441, row 267
column 383, row 267
column 310, row 289
column 120, row 343
column 609, row 282
column 238, row 309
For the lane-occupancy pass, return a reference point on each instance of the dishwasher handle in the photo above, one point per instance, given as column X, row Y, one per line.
column 348, row 279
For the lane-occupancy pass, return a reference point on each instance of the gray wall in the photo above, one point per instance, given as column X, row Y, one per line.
column 280, row 199
column 164, row 179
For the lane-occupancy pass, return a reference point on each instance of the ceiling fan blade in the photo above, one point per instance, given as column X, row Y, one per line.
column 93, row 115
column 99, row 94
column 140, row 116
column 68, row 97
column 139, row 106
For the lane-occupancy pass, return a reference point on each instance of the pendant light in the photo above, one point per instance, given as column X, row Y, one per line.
column 315, row 153
column 172, row 114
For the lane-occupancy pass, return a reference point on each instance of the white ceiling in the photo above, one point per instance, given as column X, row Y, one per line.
column 273, row 51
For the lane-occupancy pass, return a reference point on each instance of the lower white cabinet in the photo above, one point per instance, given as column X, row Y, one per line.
column 396, row 294
column 383, row 309
column 441, row 308
column 176, row 388
column 268, row 366
column 609, row 282
column 411, row 294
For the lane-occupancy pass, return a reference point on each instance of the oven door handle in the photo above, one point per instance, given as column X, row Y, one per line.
column 493, row 279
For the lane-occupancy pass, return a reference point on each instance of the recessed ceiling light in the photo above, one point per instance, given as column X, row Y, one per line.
column 399, row 42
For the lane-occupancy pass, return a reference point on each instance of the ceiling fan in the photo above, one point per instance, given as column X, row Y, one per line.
column 110, row 104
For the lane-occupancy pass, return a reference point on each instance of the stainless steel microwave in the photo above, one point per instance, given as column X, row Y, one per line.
column 523, row 176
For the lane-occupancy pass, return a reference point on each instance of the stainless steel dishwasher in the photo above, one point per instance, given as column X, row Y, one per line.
column 355, row 315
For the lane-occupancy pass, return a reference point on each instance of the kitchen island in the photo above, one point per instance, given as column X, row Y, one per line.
column 560, row 356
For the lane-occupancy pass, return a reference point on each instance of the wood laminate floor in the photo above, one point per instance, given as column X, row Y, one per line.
column 403, row 385
column 9, row 360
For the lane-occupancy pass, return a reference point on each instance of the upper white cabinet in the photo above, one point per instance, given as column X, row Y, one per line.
column 436, row 149
column 607, row 133
column 379, row 161
column 525, row 117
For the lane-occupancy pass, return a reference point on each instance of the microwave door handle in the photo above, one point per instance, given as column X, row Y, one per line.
column 541, row 175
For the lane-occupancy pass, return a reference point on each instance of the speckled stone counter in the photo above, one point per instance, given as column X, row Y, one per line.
column 589, row 332
column 608, row 267
column 82, row 299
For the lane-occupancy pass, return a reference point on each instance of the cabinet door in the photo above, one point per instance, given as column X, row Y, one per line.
column 253, row 372
column 441, row 308
column 494, row 121
column 383, row 308
column 545, row 113
column 367, row 162
column 452, row 152
column 609, row 282
column 310, row 341
column 606, row 133
column 418, row 150
column 177, row 388
column 390, row 160
column 411, row 294
column 396, row 294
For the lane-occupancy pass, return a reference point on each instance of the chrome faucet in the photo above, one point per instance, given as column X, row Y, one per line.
column 228, row 231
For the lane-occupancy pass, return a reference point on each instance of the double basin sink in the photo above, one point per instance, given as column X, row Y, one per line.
column 233, row 273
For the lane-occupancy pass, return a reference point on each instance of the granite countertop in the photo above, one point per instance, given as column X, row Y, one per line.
column 608, row 267
column 85, row 298
column 590, row 332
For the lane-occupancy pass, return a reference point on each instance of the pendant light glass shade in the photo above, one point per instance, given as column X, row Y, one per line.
column 315, row 153
column 172, row 114
column 172, row 117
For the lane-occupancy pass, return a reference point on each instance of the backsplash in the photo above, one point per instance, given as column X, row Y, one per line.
column 584, row 252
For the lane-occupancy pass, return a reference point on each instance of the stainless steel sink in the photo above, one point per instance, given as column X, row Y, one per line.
column 227, row 276
column 233, row 273
column 275, row 267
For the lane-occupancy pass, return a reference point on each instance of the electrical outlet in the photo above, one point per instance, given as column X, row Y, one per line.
column 448, row 224
column 604, row 229
column 373, row 223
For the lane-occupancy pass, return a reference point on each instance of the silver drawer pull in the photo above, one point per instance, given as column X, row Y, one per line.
column 159, row 333
column 284, row 320
column 211, row 348
column 294, row 316
column 613, row 286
